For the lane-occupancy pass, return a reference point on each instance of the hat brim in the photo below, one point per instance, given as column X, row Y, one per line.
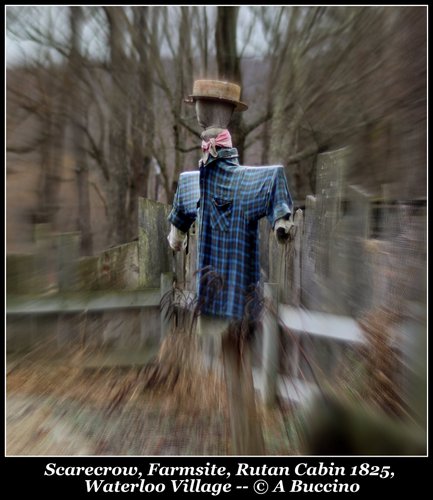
column 239, row 106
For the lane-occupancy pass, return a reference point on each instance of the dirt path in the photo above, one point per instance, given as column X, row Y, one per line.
column 42, row 426
column 33, row 428
column 46, row 424
column 54, row 409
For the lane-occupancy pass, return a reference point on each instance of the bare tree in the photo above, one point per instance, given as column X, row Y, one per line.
column 174, row 79
column 77, row 115
column 328, row 76
column 40, row 97
column 142, row 110
column 118, row 165
column 317, row 90
column 229, row 67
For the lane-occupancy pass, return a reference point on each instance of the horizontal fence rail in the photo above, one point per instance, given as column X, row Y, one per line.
column 83, row 301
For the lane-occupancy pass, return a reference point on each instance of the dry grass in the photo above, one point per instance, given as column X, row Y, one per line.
column 174, row 404
column 108, row 410
column 179, row 371
column 383, row 363
column 57, row 406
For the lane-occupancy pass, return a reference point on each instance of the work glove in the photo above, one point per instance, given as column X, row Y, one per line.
column 285, row 230
column 176, row 239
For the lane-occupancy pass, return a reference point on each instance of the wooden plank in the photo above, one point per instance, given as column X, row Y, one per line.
column 154, row 253
column 330, row 188
column 246, row 432
column 20, row 274
column 75, row 302
column 43, row 269
column 320, row 324
column 88, row 270
column 296, row 287
column 309, row 255
column 281, row 265
column 118, row 267
column 270, row 344
column 191, row 260
column 290, row 389
column 68, row 254
column 265, row 234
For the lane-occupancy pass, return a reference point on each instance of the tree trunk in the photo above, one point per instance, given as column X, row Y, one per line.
column 143, row 119
column 266, row 134
column 47, row 203
column 78, row 134
column 225, row 42
column 52, row 124
column 118, row 153
column 229, row 67
column 184, row 70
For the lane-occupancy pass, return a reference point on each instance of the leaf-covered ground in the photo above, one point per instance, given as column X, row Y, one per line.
column 57, row 406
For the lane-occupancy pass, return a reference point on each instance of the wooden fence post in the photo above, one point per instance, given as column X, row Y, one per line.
column 191, row 260
column 246, row 432
column 270, row 358
column 154, row 254
column 309, row 255
column 297, row 261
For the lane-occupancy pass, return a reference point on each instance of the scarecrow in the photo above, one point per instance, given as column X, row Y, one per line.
column 227, row 200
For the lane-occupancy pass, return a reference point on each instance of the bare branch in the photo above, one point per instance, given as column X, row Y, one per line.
column 259, row 121
column 30, row 148
column 302, row 155
column 188, row 150
column 188, row 127
column 95, row 151
column 101, row 197
column 249, row 33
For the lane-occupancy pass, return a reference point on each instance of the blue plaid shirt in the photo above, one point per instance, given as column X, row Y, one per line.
column 228, row 200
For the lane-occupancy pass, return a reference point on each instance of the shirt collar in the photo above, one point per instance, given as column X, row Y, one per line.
column 231, row 153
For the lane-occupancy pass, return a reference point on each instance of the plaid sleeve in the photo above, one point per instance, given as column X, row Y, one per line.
column 184, row 211
column 279, row 203
column 266, row 193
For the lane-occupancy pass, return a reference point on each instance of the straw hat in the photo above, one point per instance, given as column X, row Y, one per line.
column 216, row 90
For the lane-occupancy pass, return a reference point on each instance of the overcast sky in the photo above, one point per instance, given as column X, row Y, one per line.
column 18, row 51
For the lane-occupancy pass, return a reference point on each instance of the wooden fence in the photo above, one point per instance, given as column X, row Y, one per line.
column 352, row 253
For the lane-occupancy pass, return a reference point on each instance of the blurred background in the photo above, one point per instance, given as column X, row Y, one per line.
column 95, row 111
column 97, row 132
